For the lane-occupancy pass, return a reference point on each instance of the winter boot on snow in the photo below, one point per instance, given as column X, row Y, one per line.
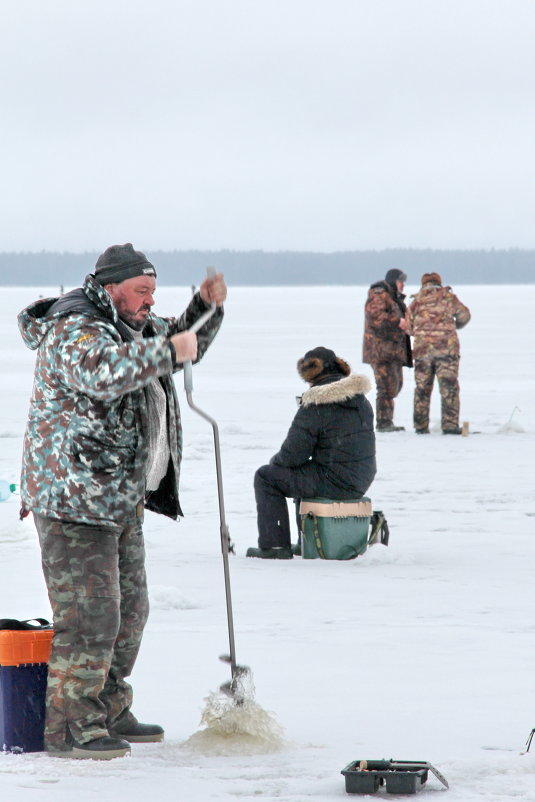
column 104, row 748
column 389, row 427
column 134, row 732
column 275, row 553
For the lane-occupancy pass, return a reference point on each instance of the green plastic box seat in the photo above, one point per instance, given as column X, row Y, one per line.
column 334, row 530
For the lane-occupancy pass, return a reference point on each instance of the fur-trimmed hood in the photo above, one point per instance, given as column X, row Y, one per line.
column 338, row 391
column 331, row 440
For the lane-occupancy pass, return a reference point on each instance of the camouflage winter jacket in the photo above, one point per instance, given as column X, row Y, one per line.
column 86, row 446
column 384, row 341
column 433, row 318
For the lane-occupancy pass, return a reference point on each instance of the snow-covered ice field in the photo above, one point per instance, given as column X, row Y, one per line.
column 424, row 650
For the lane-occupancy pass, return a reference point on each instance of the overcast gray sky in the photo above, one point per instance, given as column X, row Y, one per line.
column 270, row 124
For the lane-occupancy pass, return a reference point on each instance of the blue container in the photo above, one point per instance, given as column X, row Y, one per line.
column 24, row 657
column 22, row 707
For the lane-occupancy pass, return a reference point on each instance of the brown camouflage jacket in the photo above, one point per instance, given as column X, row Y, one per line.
column 433, row 317
column 384, row 341
column 86, row 446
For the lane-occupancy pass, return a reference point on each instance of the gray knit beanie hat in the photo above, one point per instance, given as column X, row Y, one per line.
column 120, row 262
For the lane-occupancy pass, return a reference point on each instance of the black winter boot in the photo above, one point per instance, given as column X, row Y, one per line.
column 275, row 553
column 389, row 427
column 137, row 733
column 104, row 748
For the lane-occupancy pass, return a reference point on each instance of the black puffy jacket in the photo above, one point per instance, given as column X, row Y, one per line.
column 333, row 428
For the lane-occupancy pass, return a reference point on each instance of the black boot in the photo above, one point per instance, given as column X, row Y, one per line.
column 137, row 733
column 275, row 553
column 104, row 748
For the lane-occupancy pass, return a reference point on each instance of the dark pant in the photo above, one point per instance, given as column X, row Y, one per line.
column 273, row 485
column 98, row 594
column 446, row 369
column 388, row 382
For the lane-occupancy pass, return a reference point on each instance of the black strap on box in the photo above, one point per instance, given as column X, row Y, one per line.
column 379, row 531
column 14, row 623
column 316, row 533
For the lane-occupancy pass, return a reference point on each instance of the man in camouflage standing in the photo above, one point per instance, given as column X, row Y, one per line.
column 386, row 346
column 432, row 319
column 103, row 442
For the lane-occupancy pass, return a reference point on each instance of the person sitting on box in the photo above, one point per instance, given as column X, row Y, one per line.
column 329, row 450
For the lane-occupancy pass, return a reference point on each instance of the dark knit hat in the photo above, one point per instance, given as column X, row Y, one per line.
column 431, row 278
column 395, row 275
column 120, row 262
column 321, row 362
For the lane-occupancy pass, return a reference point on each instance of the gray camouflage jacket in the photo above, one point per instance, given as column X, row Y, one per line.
column 85, row 447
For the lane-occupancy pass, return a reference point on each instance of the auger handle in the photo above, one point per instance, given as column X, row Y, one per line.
column 226, row 545
column 188, row 373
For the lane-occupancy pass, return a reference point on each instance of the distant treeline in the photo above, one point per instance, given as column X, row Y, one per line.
column 274, row 268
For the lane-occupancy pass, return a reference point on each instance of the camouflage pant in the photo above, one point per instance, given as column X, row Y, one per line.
column 98, row 594
column 388, row 381
column 446, row 369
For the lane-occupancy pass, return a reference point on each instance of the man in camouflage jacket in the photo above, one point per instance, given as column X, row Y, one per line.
column 386, row 346
column 432, row 319
column 104, row 422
